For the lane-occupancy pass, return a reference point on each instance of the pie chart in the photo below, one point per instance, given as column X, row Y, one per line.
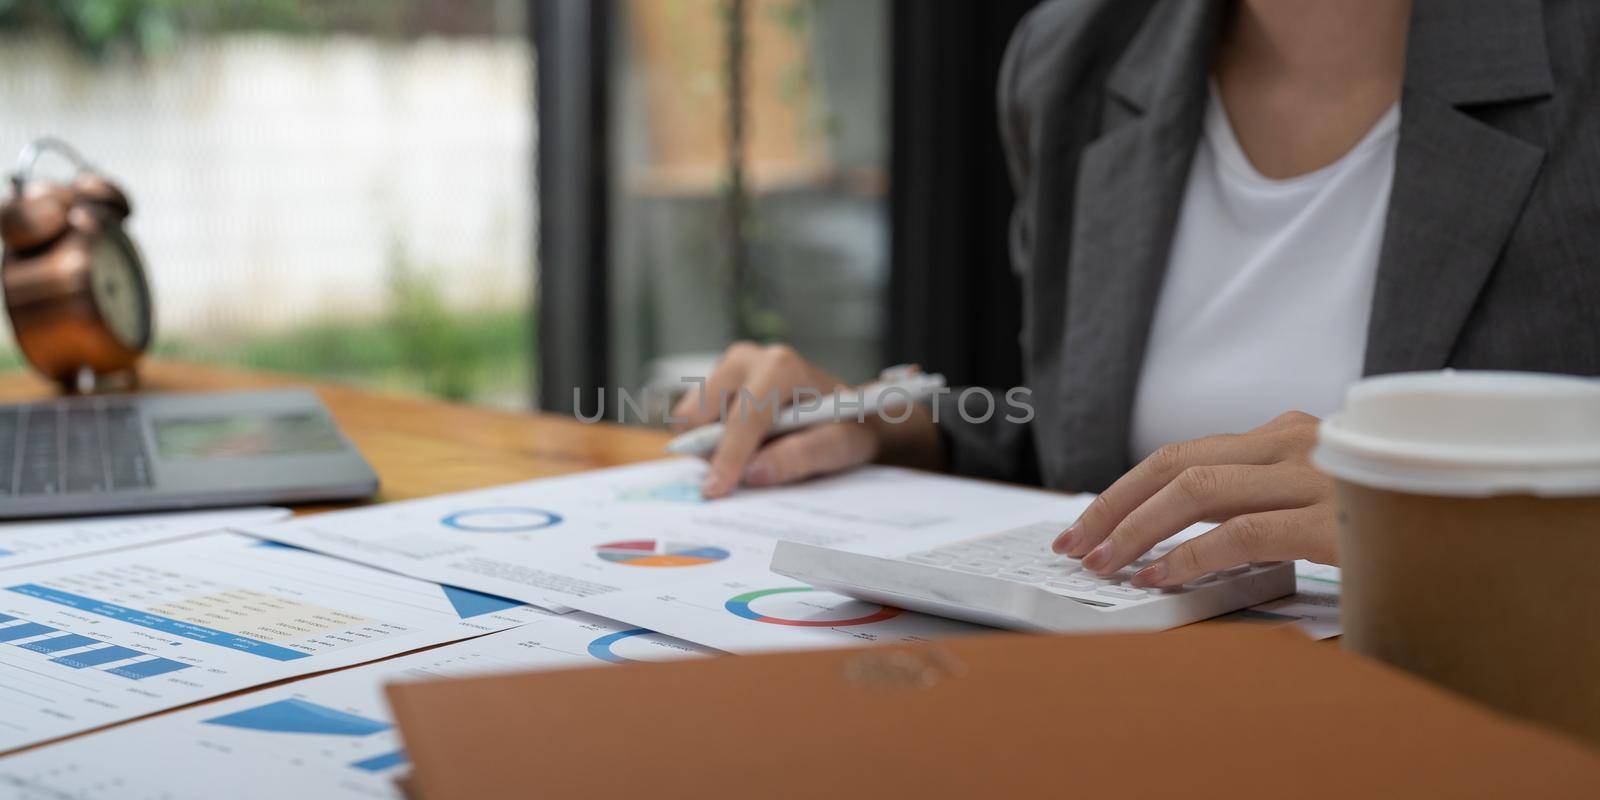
column 601, row 648
column 657, row 553
column 741, row 606
column 501, row 520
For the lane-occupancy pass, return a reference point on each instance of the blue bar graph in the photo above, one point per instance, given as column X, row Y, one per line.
column 23, row 631
column 94, row 658
column 381, row 763
column 133, row 616
column 139, row 670
column 6, row 618
column 59, row 643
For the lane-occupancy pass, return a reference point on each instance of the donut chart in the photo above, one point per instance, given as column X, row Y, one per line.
column 505, row 519
column 739, row 606
column 655, row 553
column 601, row 648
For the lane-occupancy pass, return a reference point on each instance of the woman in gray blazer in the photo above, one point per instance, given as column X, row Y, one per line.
column 1227, row 212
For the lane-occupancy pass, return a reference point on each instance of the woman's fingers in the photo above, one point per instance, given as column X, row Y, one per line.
column 771, row 382
column 704, row 403
column 1151, row 475
column 1198, row 494
column 1267, row 536
column 814, row 451
column 745, row 423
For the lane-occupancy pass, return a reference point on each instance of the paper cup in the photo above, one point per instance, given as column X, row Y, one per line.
column 1469, row 535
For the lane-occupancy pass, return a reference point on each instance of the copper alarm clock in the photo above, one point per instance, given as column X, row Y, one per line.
column 74, row 283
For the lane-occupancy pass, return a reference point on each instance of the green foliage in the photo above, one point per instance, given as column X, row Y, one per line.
column 431, row 341
column 146, row 26
column 419, row 344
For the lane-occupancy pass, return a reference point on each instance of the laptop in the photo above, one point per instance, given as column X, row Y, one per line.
column 117, row 453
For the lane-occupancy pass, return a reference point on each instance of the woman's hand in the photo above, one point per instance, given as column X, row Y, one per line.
column 741, row 392
column 1272, row 503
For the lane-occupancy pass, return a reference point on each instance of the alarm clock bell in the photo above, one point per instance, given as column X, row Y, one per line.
column 74, row 284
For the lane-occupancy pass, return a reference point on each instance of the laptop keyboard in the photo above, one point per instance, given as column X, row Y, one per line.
column 93, row 445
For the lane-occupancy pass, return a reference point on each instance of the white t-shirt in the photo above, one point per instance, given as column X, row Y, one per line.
column 1268, row 289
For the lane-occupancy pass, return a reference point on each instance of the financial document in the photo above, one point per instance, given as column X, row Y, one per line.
column 26, row 543
column 1314, row 606
column 760, row 611
column 329, row 736
column 558, row 541
column 106, row 638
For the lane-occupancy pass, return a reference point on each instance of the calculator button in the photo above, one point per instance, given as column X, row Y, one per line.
column 1058, row 566
column 1024, row 575
column 1075, row 584
column 970, row 550
column 1008, row 559
column 1124, row 592
column 975, row 567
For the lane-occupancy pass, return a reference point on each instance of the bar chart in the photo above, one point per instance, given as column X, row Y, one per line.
column 84, row 652
column 186, row 606
column 91, row 641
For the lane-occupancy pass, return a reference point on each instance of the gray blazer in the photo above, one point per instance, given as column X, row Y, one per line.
column 1490, row 258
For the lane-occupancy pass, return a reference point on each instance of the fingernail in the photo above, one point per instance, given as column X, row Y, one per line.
column 759, row 473
column 1063, row 543
column 1099, row 556
column 1150, row 576
column 713, row 485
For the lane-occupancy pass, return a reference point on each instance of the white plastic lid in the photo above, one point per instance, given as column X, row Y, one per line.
column 1472, row 434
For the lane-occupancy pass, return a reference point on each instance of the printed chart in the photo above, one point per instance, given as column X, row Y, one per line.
column 500, row 520
column 325, row 737
column 672, row 490
column 99, row 639
column 639, row 644
column 788, row 605
column 558, row 541
column 653, row 553
column 762, row 611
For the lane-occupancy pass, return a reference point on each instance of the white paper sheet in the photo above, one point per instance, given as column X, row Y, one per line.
column 1314, row 607
column 329, row 736
column 556, row 541
column 105, row 638
column 760, row 611
column 24, row 544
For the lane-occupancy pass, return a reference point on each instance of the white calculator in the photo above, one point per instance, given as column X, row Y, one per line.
column 1012, row 579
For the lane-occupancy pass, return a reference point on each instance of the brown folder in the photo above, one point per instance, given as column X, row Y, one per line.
column 1214, row 711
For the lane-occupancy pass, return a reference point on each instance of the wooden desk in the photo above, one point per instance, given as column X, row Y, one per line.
column 419, row 447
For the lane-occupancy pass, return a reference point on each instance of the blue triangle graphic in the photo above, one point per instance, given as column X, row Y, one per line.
column 475, row 604
column 294, row 715
column 271, row 543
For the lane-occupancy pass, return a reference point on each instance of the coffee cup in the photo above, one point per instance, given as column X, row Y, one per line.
column 1469, row 535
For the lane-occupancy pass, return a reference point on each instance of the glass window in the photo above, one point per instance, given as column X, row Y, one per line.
column 750, row 180
column 335, row 188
